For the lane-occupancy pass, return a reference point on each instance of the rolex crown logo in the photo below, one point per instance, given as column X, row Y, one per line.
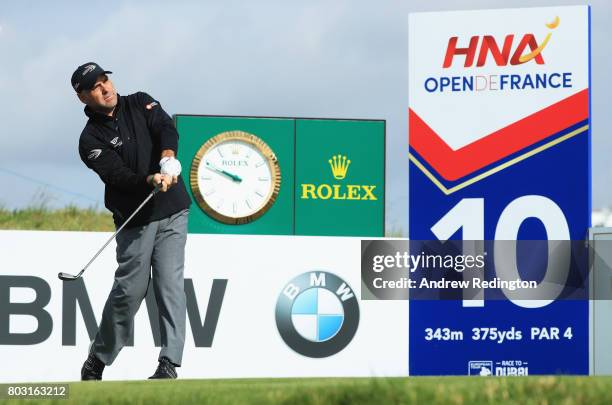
column 339, row 166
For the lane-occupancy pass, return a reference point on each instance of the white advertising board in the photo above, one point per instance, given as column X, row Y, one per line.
column 245, row 341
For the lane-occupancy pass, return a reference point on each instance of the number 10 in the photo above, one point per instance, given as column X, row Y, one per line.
column 468, row 215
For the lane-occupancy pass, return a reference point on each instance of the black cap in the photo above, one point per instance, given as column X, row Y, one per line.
column 85, row 76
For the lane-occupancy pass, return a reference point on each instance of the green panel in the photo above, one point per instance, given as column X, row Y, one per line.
column 325, row 205
column 194, row 131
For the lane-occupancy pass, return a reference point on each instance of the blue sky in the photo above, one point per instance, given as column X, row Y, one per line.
column 273, row 58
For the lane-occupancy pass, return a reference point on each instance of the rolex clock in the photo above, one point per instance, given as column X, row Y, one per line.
column 235, row 177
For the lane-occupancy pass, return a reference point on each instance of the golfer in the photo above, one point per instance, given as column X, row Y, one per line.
column 131, row 143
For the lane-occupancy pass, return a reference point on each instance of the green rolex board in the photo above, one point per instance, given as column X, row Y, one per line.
column 340, row 177
column 328, row 177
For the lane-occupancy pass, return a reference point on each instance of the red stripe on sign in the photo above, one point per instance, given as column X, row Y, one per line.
column 455, row 164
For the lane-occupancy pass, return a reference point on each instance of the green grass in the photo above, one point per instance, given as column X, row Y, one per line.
column 65, row 219
column 41, row 218
column 410, row 390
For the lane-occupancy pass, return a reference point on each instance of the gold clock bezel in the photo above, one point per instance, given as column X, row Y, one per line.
column 266, row 152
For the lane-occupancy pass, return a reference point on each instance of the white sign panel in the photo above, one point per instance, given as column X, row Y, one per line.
column 483, row 70
column 246, row 275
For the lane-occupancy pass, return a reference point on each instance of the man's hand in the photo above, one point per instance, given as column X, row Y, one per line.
column 170, row 166
column 163, row 181
column 170, row 169
column 170, row 180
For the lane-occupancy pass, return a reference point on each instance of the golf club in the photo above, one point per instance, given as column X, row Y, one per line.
column 71, row 277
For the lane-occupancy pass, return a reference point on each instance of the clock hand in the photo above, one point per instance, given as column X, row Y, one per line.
column 232, row 176
column 228, row 174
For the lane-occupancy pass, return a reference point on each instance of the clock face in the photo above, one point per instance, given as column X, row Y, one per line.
column 235, row 177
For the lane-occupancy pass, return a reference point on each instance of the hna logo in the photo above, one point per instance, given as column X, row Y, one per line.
column 489, row 45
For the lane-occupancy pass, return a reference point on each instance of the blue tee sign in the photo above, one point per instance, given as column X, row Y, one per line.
column 499, row 134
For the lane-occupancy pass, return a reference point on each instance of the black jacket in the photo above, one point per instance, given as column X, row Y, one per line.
column 124, row 149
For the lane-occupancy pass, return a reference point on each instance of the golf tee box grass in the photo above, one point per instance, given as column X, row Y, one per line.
column 404, row 390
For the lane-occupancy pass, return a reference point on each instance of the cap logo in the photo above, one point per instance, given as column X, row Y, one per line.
column 88, row 69
column 151, row 105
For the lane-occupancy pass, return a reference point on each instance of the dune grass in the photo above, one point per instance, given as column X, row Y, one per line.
column 69, row 218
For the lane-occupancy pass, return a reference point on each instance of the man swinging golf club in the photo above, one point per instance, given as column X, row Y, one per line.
column 131, row 143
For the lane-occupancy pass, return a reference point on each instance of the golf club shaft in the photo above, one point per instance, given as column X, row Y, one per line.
column 122, row 226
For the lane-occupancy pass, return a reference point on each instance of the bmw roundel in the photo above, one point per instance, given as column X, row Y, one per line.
column 317, row 314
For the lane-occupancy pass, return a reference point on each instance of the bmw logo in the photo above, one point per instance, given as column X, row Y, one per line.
column 317, row 314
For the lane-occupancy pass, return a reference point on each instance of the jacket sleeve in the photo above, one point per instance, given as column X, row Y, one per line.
column 159, row 122
column 109, row 166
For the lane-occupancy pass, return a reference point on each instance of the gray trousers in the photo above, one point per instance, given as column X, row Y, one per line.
column 160, row 246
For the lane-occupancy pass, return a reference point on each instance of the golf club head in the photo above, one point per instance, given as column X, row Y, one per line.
column 66, row 276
